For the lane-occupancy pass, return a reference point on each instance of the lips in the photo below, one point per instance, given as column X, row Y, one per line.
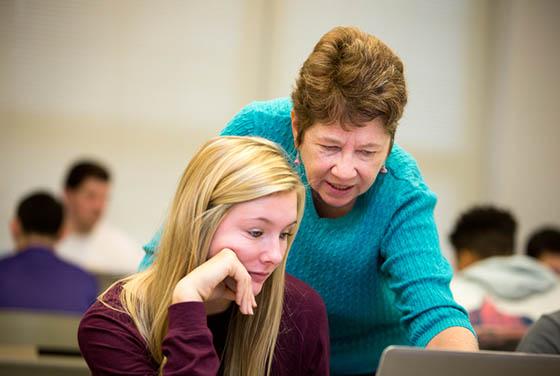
column 259, row 276
column 339, row 187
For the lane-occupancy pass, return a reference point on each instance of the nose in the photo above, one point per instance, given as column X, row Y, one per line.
column 344, row 168
column 274, row 253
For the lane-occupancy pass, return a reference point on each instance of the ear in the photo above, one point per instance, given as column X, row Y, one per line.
column 15, row 228
column 62, row 232
column 466, row 257
column 66, row 195
column 294, row 127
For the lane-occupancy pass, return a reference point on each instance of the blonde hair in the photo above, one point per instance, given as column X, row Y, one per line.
column 224, row 172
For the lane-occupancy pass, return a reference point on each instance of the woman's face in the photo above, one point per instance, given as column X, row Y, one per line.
column 342, row 164
column 258, row 232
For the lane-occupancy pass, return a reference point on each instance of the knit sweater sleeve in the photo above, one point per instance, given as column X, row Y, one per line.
column 111, row 344
column 417, row 271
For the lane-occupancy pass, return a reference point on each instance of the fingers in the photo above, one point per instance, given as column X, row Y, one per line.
column 237, row 281
column 244, row 290
column 221, row 277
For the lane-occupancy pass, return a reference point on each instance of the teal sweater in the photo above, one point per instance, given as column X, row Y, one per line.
column 379, row 268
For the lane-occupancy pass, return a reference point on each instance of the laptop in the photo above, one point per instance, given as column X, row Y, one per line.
column 414, row 361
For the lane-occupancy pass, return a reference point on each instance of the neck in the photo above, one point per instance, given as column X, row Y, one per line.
column 327, row 211
column 72, row 226
column 35, row 240
column 466, row 258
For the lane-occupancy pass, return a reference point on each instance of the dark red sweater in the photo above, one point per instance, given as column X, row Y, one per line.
column 111, row 344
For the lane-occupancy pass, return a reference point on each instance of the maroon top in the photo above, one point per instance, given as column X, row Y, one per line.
column 111, row 344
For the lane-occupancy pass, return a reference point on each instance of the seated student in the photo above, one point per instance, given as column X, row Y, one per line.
column 544, row 245
column 217, row 298
column 543, row 336
column 504, row 293
column 35, row 278
column 89, row 240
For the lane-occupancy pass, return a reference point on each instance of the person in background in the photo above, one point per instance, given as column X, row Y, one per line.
column 504, row 293
column 89, row 241
column 543, row 336
column 544, row 245
column 368, row 242
column 217, row 299
column 34, row 278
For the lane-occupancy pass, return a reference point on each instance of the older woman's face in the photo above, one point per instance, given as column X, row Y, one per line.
column 342, row 164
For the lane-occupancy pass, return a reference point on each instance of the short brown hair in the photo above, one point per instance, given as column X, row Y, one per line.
column 84, row 169
column 351, row 77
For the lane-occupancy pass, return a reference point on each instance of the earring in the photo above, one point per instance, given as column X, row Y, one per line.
column 383, row 169
column 296, row 161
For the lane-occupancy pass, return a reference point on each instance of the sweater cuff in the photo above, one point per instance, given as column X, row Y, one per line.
column 190, row 315
column 443, row 320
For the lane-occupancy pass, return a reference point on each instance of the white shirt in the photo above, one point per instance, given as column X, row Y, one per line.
column 104, row 250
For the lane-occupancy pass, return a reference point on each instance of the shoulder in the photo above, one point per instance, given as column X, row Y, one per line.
column 402, row 166
column 7, row 259
column 279, row 107
column 403, row 181
column 269, row 119
column 303, row 339
column 111, row 238
column 105, row 316
column 107, row 230
column 77, row 272
column 551, row 320
column 302, row 301
column 109, row 307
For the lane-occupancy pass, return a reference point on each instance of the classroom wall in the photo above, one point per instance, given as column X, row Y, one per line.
column 140, row 85
column 523, row 164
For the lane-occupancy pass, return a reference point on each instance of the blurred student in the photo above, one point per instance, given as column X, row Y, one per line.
column 544, row 245
column 89, row 241
column 504, row 293
column 34, row 277
column 544, row 336
column 217, row 299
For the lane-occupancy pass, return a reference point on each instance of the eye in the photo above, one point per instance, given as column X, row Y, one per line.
column 330, row 148
column 285, row 235
column 255, row 233
column 366, row 153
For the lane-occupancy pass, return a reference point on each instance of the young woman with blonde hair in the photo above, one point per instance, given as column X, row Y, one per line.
column 226, row 239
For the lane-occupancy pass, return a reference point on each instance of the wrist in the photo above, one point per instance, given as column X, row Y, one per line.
column 184, row 293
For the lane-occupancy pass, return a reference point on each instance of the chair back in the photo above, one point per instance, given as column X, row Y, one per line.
column 49, row 332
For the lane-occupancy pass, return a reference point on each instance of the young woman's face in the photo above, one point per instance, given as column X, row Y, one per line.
column 341, row 164
column 258, row 232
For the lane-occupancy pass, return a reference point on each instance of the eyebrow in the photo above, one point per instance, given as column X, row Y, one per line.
column 266, row 220
column 335, row 141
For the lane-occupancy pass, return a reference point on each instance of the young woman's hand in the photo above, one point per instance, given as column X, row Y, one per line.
column 221, row 277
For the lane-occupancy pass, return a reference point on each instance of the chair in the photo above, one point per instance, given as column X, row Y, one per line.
column 48, row 332
column 39, row 343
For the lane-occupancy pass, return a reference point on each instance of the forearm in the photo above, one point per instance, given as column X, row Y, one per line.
column 454, row 338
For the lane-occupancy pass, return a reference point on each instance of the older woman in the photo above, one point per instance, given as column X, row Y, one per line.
column 368, row 242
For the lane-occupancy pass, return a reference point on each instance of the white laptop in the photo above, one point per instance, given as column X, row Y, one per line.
column 414, row 361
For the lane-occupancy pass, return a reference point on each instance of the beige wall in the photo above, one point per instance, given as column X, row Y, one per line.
column 141, row 84
column 523, row 164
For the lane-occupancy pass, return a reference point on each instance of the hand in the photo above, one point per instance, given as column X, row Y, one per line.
column 221, row 277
